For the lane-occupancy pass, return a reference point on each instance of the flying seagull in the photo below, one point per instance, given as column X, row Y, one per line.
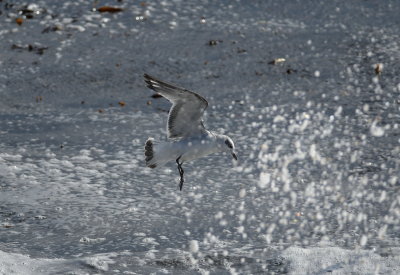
column 189, row 138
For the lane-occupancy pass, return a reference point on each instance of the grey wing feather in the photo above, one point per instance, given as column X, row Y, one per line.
column 185, row 115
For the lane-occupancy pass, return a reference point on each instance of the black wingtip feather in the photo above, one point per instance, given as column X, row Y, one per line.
column 151, row 80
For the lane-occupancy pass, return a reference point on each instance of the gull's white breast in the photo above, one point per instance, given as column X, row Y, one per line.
column 193, row 148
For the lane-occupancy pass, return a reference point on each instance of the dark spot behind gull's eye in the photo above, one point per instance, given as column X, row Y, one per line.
column 229, row 144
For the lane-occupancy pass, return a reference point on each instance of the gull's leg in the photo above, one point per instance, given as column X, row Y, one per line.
column 180, row 169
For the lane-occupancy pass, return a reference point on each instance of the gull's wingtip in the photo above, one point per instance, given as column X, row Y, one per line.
column 149, row 80
column 148, row 77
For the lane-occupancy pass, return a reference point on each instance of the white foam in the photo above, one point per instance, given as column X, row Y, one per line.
column 194, row 246
column 13, row 263
column 335, row 260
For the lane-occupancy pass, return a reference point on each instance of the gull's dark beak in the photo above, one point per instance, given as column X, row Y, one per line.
column 234, row 156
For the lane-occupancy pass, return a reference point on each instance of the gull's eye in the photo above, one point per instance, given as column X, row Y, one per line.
column 228, row 143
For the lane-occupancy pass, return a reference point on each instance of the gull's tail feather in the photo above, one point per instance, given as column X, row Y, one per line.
column 151, row 161
column 158, row 154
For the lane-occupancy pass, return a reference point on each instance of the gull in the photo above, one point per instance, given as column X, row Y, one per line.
column 189, row 139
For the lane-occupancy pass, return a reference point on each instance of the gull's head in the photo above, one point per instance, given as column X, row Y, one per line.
column 226, row 144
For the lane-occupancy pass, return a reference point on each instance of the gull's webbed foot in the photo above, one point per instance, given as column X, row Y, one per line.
column 180, row 169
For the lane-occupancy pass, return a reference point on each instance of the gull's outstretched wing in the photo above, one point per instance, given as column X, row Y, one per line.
column 185, row 115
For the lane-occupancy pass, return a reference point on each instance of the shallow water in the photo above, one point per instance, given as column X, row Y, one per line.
column 317, row 137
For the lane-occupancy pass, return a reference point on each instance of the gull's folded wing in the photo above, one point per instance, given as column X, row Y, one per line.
column 185, row 115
